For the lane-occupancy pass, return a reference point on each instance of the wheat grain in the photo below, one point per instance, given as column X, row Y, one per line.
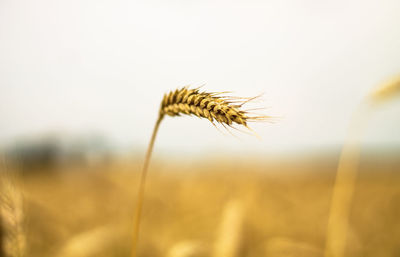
column 225, row 110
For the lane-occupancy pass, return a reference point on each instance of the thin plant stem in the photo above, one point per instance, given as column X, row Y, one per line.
column 141, row 190
column 343, row 189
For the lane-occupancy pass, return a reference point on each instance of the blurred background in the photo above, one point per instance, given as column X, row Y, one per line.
column 80, row 87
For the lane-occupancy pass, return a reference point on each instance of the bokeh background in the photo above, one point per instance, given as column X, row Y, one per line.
column 80, row 87
column 89, row 66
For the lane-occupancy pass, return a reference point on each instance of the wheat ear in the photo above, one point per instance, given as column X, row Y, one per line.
column 13, row 241
column 214, row 106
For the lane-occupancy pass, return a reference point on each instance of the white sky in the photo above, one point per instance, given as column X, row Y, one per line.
column 82, row 66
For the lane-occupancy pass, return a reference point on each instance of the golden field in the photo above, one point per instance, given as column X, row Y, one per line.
column 220, row 207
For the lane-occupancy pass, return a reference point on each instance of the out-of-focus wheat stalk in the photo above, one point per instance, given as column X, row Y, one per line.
column 215, row 107
column 89, row 243
column 186, row 249
column 289, row 247
column 343, row 189
column 230, row 231
column 11, row 216
column 386, row 91
column 346, row 174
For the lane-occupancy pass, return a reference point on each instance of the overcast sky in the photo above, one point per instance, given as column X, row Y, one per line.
column 102, row 66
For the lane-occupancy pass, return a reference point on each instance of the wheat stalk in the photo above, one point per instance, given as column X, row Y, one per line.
column 386, row 90
column 187, row 248
column 344, row 186
column 92, row 242
column 214, row 106
column 346, row 174
column 230, row 231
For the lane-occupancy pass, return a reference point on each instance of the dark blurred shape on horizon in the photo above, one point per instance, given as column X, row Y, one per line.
column 50, row 151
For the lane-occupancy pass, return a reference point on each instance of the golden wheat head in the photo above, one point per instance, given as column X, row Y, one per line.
column 11, row 218
column 213, row 106
column 226, row 110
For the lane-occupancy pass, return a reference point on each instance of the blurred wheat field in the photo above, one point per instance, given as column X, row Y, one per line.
column 247, row 208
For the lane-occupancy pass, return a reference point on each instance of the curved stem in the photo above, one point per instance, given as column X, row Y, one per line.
column 141, row 190
column 343, row 189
